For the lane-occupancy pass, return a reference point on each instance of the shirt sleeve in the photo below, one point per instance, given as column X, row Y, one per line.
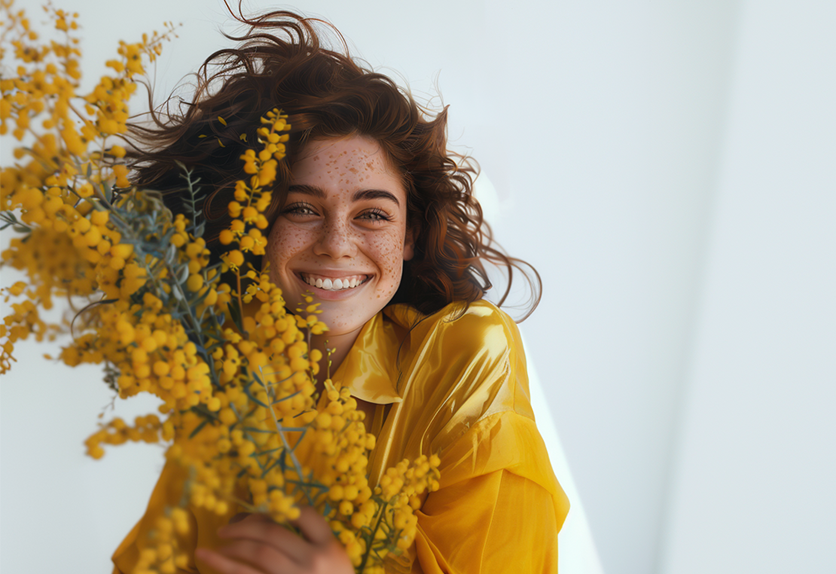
column 498, row 509
column 203, row 525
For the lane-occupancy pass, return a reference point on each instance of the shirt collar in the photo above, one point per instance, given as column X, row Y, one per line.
column 370, row 368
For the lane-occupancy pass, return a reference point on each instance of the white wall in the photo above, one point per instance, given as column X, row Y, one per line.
column 755, row 469
column 614, row 118
column 665, row 167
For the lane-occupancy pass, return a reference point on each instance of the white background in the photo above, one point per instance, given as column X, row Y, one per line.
column 668, row 168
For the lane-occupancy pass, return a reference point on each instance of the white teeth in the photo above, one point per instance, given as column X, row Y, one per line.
column 334, row 284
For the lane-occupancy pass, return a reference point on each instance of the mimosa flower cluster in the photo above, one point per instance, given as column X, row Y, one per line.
column 241, row 407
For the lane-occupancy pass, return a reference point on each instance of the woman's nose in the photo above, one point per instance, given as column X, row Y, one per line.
column 336, row 240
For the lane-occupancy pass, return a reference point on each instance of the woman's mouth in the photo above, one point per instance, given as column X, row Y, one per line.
column 334, row 283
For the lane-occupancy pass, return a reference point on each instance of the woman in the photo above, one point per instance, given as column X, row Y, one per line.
column 377, row 219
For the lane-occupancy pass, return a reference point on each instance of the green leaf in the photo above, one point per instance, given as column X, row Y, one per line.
column 252, row 397
column 199, row 428
column 235, row 314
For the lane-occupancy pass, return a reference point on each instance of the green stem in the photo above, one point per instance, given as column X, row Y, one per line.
column 372, row 537
column 290, row 451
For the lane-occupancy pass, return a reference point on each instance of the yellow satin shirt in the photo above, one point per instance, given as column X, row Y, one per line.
column 454, row 384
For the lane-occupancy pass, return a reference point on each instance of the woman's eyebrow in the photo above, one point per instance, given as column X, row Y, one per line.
column 366, row 194
column 375, row 194
column 307, row 190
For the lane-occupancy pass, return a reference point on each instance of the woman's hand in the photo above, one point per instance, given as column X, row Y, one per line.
column 257, row 545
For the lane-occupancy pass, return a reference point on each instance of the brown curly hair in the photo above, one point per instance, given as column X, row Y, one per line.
column 281, row 62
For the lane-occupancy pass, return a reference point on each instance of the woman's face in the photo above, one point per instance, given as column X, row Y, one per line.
column 342, row 234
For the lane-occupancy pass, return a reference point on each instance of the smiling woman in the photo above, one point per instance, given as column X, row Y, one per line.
column 376, row 220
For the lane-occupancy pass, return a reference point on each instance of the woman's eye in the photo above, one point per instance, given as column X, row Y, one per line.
column 375, row 215
column 299, row 209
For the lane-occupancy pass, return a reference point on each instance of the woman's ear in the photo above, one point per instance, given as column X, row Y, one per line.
column 409, row 243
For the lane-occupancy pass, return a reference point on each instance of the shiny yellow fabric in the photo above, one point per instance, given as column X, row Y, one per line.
column 454, row 384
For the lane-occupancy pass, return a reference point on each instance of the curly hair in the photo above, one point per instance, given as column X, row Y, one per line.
column 281, row 61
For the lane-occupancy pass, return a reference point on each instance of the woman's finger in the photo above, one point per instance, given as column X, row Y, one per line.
column 239, row 517
column 261, row 529
column 223, row 564
column 262, row 557
column 314, row 527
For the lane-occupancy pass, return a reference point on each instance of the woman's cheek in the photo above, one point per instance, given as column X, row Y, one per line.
column 271, row 255
column 391, row 261
column 281, row 248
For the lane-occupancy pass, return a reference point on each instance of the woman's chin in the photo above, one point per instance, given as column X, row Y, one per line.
column 347, row 318
column 344, row 311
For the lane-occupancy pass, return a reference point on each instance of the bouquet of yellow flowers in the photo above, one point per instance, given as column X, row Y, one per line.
column 237, row 381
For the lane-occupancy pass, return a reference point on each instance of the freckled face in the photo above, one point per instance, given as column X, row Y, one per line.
column 342, row 233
